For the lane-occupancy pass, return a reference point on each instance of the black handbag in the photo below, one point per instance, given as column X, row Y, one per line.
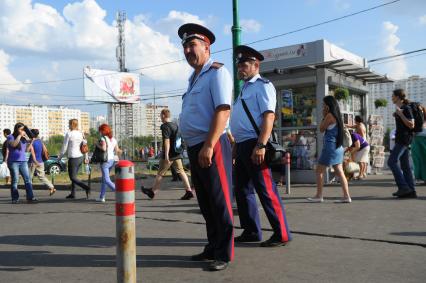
column 274, row 151
column 99, row 156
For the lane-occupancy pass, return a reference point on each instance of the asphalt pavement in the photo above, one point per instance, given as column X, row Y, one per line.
column 376, row 238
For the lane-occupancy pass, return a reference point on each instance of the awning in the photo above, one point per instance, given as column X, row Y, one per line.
column 342, row 66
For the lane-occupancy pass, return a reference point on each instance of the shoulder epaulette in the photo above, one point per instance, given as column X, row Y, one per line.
column 264, row 80
column 216, row 65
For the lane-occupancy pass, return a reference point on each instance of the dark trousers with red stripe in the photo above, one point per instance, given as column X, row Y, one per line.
column 213, row 186
column 251, row 178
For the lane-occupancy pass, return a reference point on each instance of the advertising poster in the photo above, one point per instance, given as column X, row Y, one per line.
column 287, row 100
column 111, row 86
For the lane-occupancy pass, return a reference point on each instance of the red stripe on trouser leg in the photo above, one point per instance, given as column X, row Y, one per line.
column 225, row 186
column 124, row 185
column 267, row 178
column 125, row 209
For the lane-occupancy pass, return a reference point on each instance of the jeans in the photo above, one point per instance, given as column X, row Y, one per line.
column 106, row 181
column 403, row 175
column 15, row 168
column 73, row 166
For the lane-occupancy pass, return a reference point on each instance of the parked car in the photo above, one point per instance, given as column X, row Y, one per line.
column 55, row 166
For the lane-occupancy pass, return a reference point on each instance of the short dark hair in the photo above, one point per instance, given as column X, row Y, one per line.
column 35, row 132
column 359, row 119
column 7, row 132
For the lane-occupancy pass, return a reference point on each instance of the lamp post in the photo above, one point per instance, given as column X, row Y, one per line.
column 154, row 116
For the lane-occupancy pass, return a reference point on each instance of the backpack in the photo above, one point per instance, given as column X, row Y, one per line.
column 178, row 146
column 347, row 139
column 418, row 115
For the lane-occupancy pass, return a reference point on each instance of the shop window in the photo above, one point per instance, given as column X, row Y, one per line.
column 298, row 107
column 302, row 145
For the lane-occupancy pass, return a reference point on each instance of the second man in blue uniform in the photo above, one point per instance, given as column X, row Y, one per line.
column 250, row 167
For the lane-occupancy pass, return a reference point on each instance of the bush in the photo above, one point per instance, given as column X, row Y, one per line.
column 341, row 93
column 381, row 102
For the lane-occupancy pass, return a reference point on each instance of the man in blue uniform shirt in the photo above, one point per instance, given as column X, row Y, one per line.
column 205, row 113
column 260, row 97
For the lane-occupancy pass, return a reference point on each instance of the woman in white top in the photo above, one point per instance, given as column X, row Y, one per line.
column 71, row 148
column 109, row 144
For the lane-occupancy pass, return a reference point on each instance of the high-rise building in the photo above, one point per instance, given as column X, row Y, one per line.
column 128, row 120
column 153, row 119
column 414, row 86
column 96, row 121
column 48, row 120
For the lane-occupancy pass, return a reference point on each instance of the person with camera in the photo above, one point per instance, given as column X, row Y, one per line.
column 72, row 148
column 252, row 173
column 17, row 144
column 36, row 163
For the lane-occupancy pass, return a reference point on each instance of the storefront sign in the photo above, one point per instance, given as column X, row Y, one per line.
column 283, row 53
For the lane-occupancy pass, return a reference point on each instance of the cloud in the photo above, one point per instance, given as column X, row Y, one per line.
column 247, row 26
column 81, row 33
column 5, row 76
column 398, row 68
column 341, row 4
column 422, row 20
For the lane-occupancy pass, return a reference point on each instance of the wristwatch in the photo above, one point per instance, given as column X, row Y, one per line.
column 260, row 145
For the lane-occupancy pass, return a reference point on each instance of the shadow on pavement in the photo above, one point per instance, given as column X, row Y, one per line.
column 93, row 242
column 44, row 258
column 412, row 234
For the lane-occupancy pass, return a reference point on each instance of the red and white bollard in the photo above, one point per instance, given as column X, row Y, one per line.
column 125, row 221
column 287, row 172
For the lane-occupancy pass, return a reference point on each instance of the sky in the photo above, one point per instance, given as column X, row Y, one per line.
column 46, row 40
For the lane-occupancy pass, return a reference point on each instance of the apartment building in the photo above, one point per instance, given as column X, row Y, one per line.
column 415, row 87
column 48, row 120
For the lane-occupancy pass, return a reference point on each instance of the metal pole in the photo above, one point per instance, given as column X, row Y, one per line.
column 236, row 40
column 287, row 172
column 155, row 124
column 125, row 222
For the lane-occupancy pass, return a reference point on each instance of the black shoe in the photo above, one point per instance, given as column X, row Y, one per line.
column 70, row 196
column 148, row 192
column 247, row 238
column 273, row 242
column 218, row 265
column 187, row 196
column 202, row 257
column 87, row 193
column 410, row 194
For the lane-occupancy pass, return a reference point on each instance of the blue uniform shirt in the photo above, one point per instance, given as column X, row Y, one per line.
column 260, row 97
column 212, row 88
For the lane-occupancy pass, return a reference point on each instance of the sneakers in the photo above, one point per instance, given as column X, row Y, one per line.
column 343, row 200
column 202, row 257
column 33, row 200
column 100, row 200
column 15, row 201
column 315, row 199
column 187, row 196
column 247, row 238
column 273, row 242
column 148, row 192
column 70, row 196
column 218, row 265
